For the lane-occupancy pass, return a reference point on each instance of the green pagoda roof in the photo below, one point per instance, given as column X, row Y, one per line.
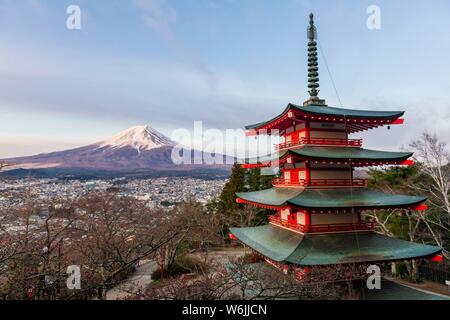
column 334, row 153
column 346, row 153
column 266, row 158
column 330, row 198
column 271, row 197
column 310, row 250
column 320, row 110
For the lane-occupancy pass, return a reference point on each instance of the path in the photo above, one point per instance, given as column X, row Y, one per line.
column 139, row 280
column 425, row 286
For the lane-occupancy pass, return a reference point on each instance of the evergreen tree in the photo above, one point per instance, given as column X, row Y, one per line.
column 236, row 183
column 254, row 179
column 258, row 181
column 234, row 214
column 266, row 181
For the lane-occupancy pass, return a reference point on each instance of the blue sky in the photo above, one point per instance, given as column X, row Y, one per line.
column 226, row 62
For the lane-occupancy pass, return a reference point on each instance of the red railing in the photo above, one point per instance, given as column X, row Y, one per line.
column 364, row 226
column 319, row 183
column 294, row 226
column 322, row 228
column 321, row 142
column 280, row 182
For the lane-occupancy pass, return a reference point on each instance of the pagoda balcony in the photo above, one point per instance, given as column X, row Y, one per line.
column 318, row 183
column 324, row 142
column 322, row 228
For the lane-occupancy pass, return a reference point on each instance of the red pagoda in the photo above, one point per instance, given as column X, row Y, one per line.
column 318, row 200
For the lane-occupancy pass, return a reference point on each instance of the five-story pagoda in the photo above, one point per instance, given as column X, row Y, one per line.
column 318, row 200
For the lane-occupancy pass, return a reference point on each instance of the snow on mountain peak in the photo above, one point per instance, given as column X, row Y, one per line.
column 139, row 137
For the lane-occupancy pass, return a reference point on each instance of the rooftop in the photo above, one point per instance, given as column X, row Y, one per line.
column 332, row 114
column 335, row 153
column 308, row 250
column 330, row 198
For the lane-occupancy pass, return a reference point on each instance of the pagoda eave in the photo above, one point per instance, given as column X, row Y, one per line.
column 417, row 207
column 357, row 157
column 284, row 246
column 356, row 120
column 329, row 200
column 345, row 155
column 262, row 205
column 256, row 165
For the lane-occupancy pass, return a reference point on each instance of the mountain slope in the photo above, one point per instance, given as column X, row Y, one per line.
column 138, row 137
column 138, row 148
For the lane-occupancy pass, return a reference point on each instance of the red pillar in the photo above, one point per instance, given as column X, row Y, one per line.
column 308, row 220
column 307, row 173
column 307, row 129
column 307, row 164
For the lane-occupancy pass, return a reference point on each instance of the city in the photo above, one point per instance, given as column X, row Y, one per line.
column 161, row 193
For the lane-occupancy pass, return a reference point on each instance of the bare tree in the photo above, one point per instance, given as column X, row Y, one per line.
column 34, row 248
column 435, row 165
column 258, row 281
column 105, row 234
column 198, row 229
column 432, row 179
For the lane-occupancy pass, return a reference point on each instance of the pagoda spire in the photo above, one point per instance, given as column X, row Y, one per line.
column 313, row 66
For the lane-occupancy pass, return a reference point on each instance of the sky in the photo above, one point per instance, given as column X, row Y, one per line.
column 227, row 63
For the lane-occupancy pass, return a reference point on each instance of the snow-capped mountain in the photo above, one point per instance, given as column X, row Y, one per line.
column 139, row 138
column 139, row 148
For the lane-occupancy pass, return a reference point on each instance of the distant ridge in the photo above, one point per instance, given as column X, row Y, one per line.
column 138, row 150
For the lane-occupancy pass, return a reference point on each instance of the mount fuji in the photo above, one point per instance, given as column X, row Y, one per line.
column 138, row 138
column 139, row 150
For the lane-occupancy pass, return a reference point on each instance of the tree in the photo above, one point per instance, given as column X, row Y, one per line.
column 241, row 280
column 429, row 176
column 401, row 223
column 435, row 165
column 257, row 181
column 103, row 233
column 245, row 279
column 396, row 222
column 198, row 229
column 236, row 183
column 234, row 214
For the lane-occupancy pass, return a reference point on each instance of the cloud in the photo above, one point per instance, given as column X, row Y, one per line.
column 84, row 79
column 159, row 16
column 53, row 86
column 96, row 86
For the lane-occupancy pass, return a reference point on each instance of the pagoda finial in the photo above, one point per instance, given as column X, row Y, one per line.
column 313, row 66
